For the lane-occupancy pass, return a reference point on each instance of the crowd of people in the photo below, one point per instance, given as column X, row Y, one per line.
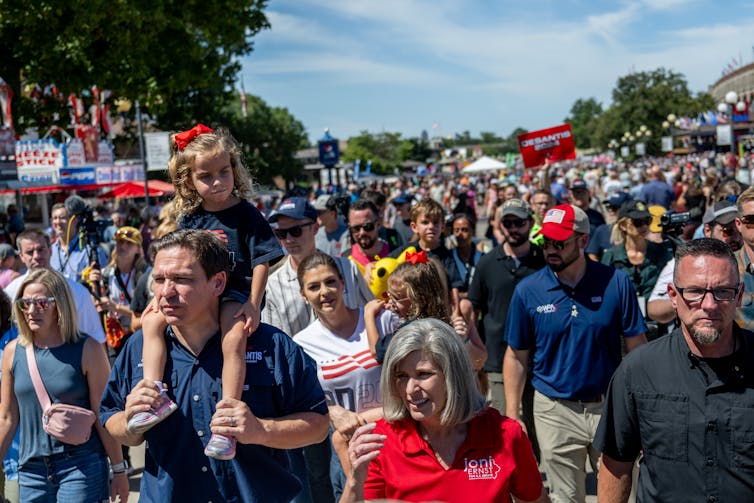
column 600, row 317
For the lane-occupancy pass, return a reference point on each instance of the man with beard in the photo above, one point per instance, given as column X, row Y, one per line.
column 364, row 225
column 745, row 256
column 686, row 401
column 569, row 317
column 497, row 274
column 719, row 223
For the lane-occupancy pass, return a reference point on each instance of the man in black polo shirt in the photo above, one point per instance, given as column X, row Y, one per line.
column 491, row 289
column 686, row 400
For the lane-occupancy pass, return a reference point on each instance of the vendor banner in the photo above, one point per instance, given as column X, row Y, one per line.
column 551, row 144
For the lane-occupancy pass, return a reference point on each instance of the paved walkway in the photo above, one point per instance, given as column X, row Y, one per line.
column 137, row 458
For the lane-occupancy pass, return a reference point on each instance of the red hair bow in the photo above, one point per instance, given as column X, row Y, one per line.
column 186, row 137
column 417, row 258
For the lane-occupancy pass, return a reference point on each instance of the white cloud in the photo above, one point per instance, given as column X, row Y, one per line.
column 519, row 66
column 665, row 4
column 343, row 66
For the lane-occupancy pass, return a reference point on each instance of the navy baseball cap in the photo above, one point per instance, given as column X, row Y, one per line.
column 617, row 199
column 578, row 184
column 297, row 208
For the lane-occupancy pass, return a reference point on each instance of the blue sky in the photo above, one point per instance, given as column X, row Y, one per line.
column 447, row 66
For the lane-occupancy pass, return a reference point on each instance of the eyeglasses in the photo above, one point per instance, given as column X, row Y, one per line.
column 558, row 245
column 641, row 222
column 42, row 303
column 367, row 227
column 720, row 294
column 748, row 221
column 294, row 231
column 127, row 234
column 518, row 223
column 395, row 299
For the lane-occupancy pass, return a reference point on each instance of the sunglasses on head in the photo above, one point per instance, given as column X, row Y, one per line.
column 518, row 223
column 42, row 302
column 294, row 231
column 125, row 234
column 367, row 227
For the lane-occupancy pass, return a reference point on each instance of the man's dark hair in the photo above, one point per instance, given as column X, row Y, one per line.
column 375, row 196
column 207, row 248
column 32, row 235
column 364, row 204
column 704, row 247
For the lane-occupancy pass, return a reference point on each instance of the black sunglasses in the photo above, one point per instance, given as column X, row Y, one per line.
column 641, row 222
column 518, row 223
column 367, row 227
column 295, row 231
column 558, row 245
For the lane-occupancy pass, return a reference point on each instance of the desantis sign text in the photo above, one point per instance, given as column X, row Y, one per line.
column 553, row 144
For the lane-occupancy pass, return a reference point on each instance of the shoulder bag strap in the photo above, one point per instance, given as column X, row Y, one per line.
column 36, row 379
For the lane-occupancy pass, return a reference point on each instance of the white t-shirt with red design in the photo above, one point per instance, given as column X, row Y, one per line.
column 347, row 372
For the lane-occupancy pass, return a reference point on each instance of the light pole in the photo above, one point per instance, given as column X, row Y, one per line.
column 726, row 107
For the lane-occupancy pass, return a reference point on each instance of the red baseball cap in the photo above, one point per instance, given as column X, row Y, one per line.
column 561, row 221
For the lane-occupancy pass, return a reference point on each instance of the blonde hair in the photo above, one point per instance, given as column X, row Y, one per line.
column 618, row 235
column 168, row 219
column 440, row 343
column 426, row 287
column 65, row 307
column 429, row 208
column 187, row 199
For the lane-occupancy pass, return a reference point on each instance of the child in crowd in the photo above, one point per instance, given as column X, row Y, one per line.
column 427, row 221
column 212, row 188
column 417, row 289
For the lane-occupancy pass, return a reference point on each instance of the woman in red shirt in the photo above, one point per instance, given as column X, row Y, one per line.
column 439, row 440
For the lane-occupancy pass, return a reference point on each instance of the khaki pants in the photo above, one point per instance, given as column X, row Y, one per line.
column 496, row 392
column 11, row 491
column 565, row 430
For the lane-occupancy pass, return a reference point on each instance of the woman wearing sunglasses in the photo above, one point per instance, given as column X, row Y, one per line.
column 638, row 257
column 73, row 369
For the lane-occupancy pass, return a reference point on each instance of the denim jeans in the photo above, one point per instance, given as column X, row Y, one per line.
column 77, row 476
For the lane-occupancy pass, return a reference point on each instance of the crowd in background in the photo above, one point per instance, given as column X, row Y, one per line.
column 468, row 228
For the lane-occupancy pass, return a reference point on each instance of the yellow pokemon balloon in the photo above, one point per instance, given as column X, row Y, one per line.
column 382, row 270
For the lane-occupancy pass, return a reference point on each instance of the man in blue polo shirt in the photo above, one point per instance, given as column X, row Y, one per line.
column 282, row 406
column 570, row 317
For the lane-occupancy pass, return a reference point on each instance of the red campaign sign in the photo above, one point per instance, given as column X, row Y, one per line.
column 553, row 144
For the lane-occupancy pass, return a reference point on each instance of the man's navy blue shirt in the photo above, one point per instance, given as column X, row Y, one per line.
column 574, row 333
column 280, row 380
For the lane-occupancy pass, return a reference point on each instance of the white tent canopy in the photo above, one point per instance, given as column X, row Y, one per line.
column 483, row 164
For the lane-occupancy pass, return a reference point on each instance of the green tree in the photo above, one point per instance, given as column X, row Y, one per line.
column 385, row 150
column 179, row 59
column 510, row 143
column 488, row 137
column 583, row 121
column 270, row 137
column 647, row 98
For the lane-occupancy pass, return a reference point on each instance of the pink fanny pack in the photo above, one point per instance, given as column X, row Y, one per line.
column 68, row 423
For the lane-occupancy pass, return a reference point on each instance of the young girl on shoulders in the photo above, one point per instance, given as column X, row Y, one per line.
column 417, row 289
column 212, row 190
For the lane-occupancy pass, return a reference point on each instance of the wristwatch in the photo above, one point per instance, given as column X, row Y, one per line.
column 119, row 468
